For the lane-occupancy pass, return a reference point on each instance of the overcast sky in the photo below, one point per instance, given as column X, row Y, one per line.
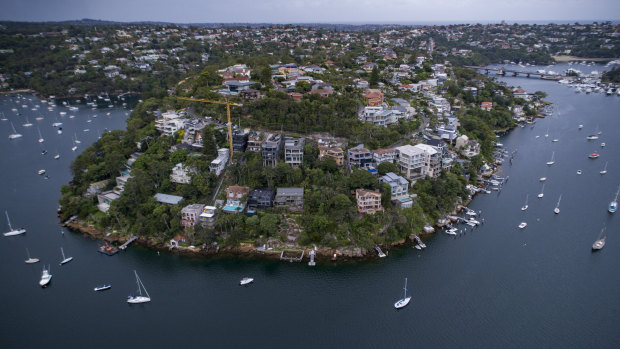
column 305, row 11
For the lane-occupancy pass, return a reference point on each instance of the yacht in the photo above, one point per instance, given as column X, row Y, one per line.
column 540, row 196
column 600, row 242
column 603, row 145
column 65, row 260
column 522, row 225
column 593, row 156
column 556, row 210
column 139, row 298
column 245, row 281
column 580, row 127
column 552, row 161
column 592, row 137
column 579, row 172
column 14, row 135
column 46, row 277
column 542, row 179
column 31, row 260
column 405, row 300
column 12, row 232
column 525, row 206
column 604, row 170
column 613, row 205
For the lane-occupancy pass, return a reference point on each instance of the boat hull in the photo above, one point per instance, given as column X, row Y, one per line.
column 138, row 300
column 402, row 303
column 15, row 232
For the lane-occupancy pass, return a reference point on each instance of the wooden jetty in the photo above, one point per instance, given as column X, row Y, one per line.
column 132, row 239
column 419, row 241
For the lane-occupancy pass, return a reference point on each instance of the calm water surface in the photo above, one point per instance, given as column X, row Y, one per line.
column 495, row 286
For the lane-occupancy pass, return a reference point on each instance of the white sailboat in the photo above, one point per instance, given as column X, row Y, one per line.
column 542, row 192
column 3, row 118
column 604, row 170
column 600, row 242
column 547, row 133
column 31, row 260
column 14, row 135
column 65, row 260
column 525, row 206
column 613, row 205
column 76, row 140
column 12, row 231
column 246, row 281
column 46, row 276
column 556, row 210
column 74, row 145
column 405, row 300
column 522, row 225
column 27, row 123
column 139, row 298
column 40, row 137
column 552, row 161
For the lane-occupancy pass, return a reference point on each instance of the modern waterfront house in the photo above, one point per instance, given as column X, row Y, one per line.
column 291, row 199
column 368, row 201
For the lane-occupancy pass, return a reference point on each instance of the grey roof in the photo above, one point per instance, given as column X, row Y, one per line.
column 168, row 199
column 290, row 191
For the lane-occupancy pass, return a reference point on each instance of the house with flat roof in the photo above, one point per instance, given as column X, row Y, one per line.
column 181, row 174
column 384, row 155
column 410, row 161
column 399, row 186
column 190, row 214
column 260, row 198
column 105, row 198
column 271, row 150
column 240, row 140
column 208, row 216
column 291, row 199
column 294, row 151
column 359, row 156
column 219, row 164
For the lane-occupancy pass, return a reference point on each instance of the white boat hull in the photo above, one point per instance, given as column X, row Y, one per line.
column 15, row 232
column 402, row 303
column 66, row 260
column 32, row 260
column 139, row 299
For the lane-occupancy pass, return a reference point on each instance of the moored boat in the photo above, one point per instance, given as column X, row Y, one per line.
column 103, row 287
column 405, row 300
column 246, row 281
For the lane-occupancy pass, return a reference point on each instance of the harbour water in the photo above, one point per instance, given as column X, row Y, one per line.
column 494, row 286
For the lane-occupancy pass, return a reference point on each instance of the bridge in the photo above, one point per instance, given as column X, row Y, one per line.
column 512, row 72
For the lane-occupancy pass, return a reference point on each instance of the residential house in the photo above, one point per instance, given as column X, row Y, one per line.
column 169, row 123
column 432, row 160
column 323, row 92
column 379, row 116
column 181, row 174
column 335, row 153
column 190, row 214
column 411, row 161
column 250, row 94
column 95, row 188
column 255, row 142
column 446, row 132
column 219, row 164
column 486, row 106
column 240, row 140
column 271, row 149
column 175, row 241
column 294, row 151
column 235, row 196
column 291, row 199
column 383, row 155
column 368, row 201
column 399, row 185
column 467, row 147
column 208, row 216
column 374, row 97
column 260, row 198
column 359, row 156
column 105, row 199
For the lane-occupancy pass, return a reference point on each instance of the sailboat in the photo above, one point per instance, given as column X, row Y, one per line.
column 547, row 133
column 31, row 260
column 600, row 242
column 12, row 231
column 40, row 137
column 14, row 135
column 76, row 140
column 139, row 298
column 405, row 300
column 74, row 145
column 65, row 260
column 556, row 210
column 46, row 277
column 552, row 161
column 613, row 205
column 3, row 118
column 28, row 123
column 604, row 170
column 525, row 206
column 522, row 225
column 542, row 192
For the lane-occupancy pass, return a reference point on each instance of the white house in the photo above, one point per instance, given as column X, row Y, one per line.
column 410, row 161
column 399, row 186
column 181, row 174
column 219, row 164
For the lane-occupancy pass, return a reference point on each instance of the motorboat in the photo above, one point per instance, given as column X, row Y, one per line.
column 46, row 277
column 613, row 205
column 451, row 231
column 138, row 297
column 41, row 172
column 542, row 179
column 522, row 225
column 580, row 127
column 591, row 137
column 579, row 172
column 593, row 156
column 103, row 287
column 246, row 281
column 12, row 232
column 405, row 300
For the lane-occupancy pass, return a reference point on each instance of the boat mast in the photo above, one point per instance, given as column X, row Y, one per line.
column 63, row 253
column 405, row 289
column 11, row 228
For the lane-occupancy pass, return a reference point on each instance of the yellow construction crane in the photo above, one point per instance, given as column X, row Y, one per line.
column 228, row 104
